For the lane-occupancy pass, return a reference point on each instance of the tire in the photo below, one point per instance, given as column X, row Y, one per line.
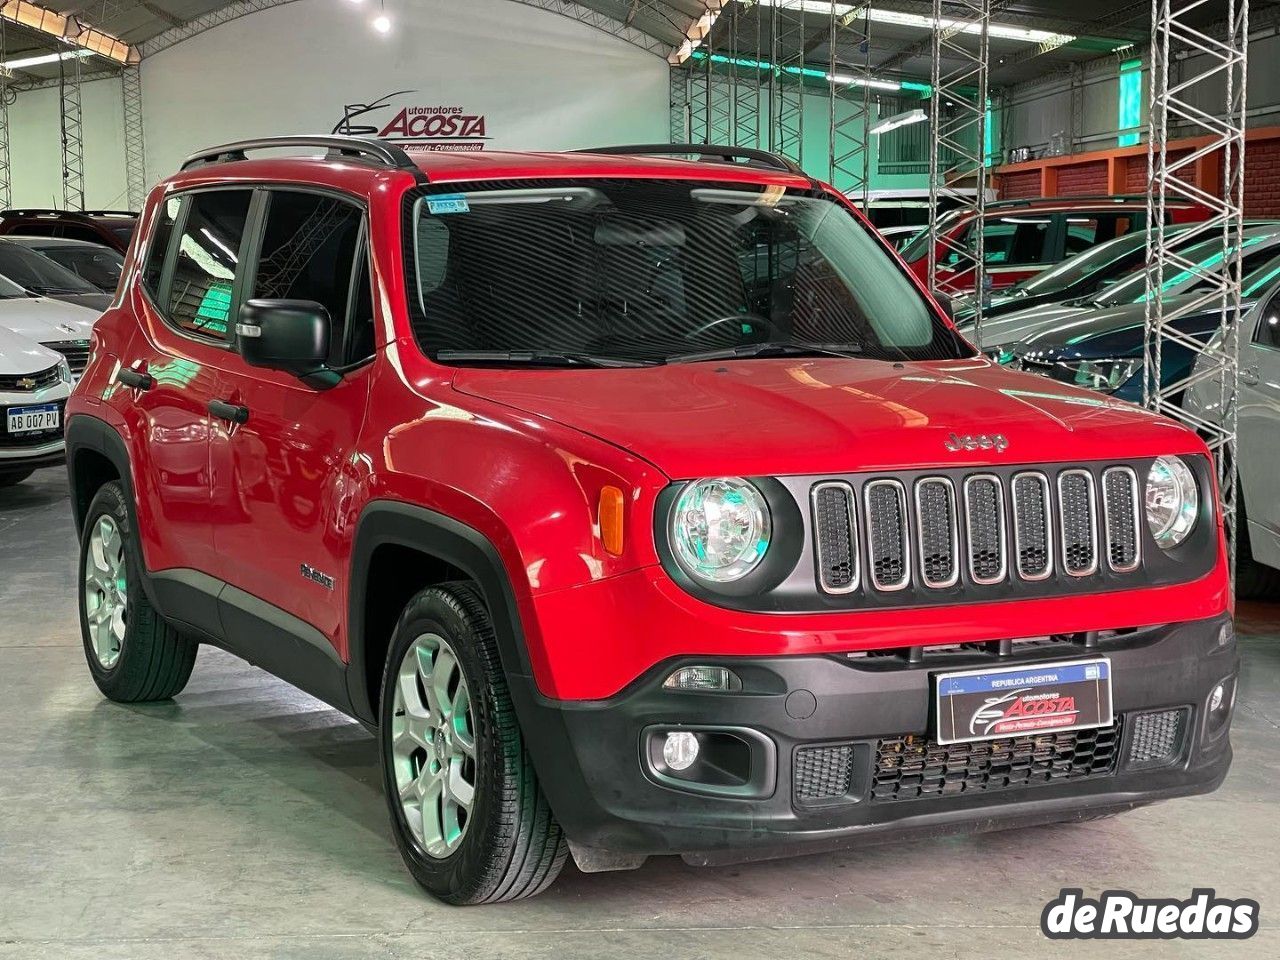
column 15, row 478
column 507, row 844
column 133, row 654
column 1254, row 580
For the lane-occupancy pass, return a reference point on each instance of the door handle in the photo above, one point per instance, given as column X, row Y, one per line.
column 135, row 379
column 1249, row 375
column 232, row 412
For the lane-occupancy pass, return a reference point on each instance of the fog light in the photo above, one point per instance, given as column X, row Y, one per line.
column 703, row 678
column 1226, row 633
column 1216, row 698
column 680, row 750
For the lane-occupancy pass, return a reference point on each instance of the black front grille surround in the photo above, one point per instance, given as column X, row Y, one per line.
column 29, row 382
column 853, row 541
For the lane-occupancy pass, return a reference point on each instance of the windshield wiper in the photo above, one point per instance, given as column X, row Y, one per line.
column 535, row 357
column 789, row 348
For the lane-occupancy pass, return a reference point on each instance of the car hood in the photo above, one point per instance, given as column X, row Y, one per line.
column 19, row 354
column 45, row 320
column 809, row 416
column 1111, row 332
column 96, row 301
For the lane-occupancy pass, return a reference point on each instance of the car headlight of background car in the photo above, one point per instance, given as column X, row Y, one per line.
column 1172, row 501
column 720, row 529
column 64, row 371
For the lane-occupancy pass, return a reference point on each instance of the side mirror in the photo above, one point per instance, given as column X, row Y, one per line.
column 946, row 303
column 289, row 335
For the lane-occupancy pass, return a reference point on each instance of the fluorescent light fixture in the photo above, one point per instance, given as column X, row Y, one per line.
column 45, row 58
column 869, row 82
column 382, row 23
column 875, row 15
column 899, row 120
column 68, row 30
column 697, row 32
column 848, row 80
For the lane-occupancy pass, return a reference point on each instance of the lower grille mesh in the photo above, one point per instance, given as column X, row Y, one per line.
column 1157, row 737
column 911, row 767
column 822, row 774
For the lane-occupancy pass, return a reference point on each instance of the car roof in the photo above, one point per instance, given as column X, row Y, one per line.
column 37, row 243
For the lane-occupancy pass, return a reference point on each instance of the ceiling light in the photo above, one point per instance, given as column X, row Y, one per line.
column 899, row 120
column 875, row 15
column 45, row 58
column 697, row 32
column 382, row 23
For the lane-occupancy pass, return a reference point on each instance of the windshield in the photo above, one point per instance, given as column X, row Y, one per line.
column 99, row 266
column 1257, row 249
column 10, row 290
column 38, row 273
column 646, row 271
column 1107, row 259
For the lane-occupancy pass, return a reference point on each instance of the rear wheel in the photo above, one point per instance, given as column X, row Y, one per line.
column 467, row 812
column 132, row 653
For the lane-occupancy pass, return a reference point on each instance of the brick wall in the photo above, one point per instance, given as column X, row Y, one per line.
column 1018, row 186
column 1083, row 179
column 1262, row 179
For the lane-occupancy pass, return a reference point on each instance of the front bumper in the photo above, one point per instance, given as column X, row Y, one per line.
column 591, row 756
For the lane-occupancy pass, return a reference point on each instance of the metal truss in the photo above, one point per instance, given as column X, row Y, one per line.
column 6, row 184
column 72, row 130
column 957, row 146
column 135, row 153
column 789, row 26
column 749, row 103
column 681, row 122
column 849, row 103
column 711, row 96
column 1189, row 65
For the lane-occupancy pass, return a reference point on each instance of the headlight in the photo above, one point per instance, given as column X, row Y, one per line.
column 64, row 371
column 1173, row 501
column 720, row 529
column 1102, row 375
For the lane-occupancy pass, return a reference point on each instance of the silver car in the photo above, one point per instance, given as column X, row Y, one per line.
column 34, row 385
column 1258, row 412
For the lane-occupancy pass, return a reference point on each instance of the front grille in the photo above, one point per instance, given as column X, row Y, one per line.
column 29, row 382
column 984, row 518
column 937, row 534
column 1078, row 522
column 927, row 532
column 912, row 767
column 835, row 519
column 76, row 352
column 822, row 774
column 887, row 535
column 1157, row 737
column 1120, row 513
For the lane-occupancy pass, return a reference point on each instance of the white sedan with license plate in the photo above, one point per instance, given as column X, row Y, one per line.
column 34, row 385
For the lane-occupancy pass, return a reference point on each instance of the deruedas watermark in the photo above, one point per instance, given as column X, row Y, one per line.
column 1121, row 915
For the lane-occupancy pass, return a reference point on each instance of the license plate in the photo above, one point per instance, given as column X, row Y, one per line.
column 34, row 419
column 1017, row 701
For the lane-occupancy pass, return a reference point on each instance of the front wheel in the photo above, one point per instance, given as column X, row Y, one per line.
column 467, row 812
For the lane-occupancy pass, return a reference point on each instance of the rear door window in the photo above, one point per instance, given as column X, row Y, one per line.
column 1083, row 231
column 1009, row 241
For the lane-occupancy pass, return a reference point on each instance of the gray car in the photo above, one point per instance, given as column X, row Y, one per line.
column 1258, row 426
column 1261, row 243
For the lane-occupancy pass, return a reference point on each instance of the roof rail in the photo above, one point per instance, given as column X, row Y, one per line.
column 1086, row 198
column 367, row 148
column 728, row 154
column 110, row 213
column 32, row 211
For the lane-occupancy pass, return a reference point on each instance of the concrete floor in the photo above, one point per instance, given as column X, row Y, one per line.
column 245, row 819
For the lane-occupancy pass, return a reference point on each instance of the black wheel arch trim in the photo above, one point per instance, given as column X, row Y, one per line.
column 393, row 522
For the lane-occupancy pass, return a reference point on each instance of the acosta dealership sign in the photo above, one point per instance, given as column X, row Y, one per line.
column 414, row 126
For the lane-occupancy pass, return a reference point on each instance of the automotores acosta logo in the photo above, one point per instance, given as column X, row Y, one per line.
column 1121, row 915
column 415, row 126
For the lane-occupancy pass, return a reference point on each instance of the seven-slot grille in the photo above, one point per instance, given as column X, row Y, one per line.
column 1020, row 527
column 76, row 352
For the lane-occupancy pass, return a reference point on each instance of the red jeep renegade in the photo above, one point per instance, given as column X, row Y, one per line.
column 640, row 505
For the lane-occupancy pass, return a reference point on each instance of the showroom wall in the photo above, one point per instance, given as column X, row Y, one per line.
column 491, row 72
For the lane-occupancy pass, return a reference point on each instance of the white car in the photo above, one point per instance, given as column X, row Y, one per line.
column 1257, row 447
column 34, row 385
column 62, row 327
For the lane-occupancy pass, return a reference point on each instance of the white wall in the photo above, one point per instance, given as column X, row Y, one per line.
column 542, row 81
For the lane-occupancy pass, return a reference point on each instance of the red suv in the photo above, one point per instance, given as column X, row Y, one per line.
column 639, row 505
column 1023, row 237
column 108, row 228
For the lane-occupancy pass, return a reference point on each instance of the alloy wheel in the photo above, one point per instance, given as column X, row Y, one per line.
column 433, row 746
column 106, row 590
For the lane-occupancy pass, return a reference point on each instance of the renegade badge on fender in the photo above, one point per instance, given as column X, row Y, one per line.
column 659, row 510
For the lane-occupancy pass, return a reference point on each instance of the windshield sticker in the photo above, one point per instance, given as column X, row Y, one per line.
column 449, row 203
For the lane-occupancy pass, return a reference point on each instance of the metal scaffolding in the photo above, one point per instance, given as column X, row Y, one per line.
column 681, row 120
column 1190, row 71
column 746, row 92
column 849, row 101
column 72, row 134
column 957, row 154
column 135, row 154
column 6, row 186
column 788, row 26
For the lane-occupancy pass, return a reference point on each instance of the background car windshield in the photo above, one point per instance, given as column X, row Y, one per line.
column 1257, row 249
column 100, row 266
column 1117, row 254
column 10, row 290
column 38, row 273
column 645, row 270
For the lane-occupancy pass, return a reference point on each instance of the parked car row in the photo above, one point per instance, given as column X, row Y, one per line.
column 58, row 271
column 1076, row 314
